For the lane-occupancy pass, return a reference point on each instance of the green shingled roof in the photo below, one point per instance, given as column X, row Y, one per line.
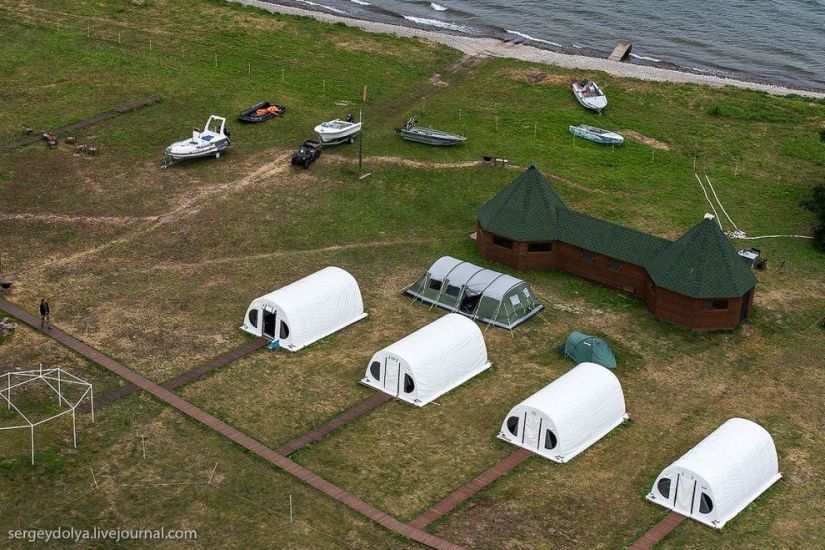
column 525, row 210
column 702, row 264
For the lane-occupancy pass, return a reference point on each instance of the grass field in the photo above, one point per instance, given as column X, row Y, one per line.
column 156, row 268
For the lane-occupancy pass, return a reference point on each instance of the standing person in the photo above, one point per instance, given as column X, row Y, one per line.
column 44, row 314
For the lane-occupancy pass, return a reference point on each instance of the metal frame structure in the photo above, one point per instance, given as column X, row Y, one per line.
column 54, row 378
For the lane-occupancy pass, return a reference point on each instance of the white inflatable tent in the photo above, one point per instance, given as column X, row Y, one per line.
column 429, row 362
column 722, row 474
column 569, row 415
column 307, row 310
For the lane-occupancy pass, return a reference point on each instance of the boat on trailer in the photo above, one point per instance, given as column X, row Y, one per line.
column 598, row 135
column 411, row 132
column 590, row 95
column 338, row 131
column 261, row 111
column 207, row 143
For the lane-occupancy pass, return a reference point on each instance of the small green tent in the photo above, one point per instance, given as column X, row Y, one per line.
column 480, row 294
column 582, row 348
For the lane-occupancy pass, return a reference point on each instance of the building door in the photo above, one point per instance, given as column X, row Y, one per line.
column 685, row 494
column 532, row 430
column 269, row 324
column 392, row 375
column 745, row 301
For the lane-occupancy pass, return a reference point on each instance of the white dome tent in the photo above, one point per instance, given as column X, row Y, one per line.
column 569, row 415
column 429, row 362
column 722, row 474
column 307, row 310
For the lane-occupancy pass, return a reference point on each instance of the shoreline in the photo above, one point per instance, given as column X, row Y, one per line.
column 493, row 47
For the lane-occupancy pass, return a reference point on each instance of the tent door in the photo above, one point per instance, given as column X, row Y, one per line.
column 269, row 324
column 684, row 495
column 392, row 375
column 532, row 430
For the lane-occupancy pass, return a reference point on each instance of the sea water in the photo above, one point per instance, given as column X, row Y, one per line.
column 771, row 41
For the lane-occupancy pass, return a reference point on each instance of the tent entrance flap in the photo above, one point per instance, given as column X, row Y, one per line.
column 685, row 495
column 269, row 323
column 392, row 375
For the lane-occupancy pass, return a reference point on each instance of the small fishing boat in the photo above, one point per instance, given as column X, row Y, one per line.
column 261, row 111
column 429, row 136
column 207, row 143
column 597, row 134
column 338, row 131
column 590, row 95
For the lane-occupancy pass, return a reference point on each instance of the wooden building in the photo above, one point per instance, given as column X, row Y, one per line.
column 697, row 281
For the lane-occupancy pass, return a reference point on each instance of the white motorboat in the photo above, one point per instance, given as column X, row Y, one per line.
column 590, row 95
column 338, row 131
column 207, row 143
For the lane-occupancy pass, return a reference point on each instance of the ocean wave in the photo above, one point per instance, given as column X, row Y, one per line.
column 437, row 7
column 645, row 58
column 439, row 24
column 532, row 39
column 322, row 6
column 360, row 2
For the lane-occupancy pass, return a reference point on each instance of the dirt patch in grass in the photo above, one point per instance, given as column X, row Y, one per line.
column 650, row 142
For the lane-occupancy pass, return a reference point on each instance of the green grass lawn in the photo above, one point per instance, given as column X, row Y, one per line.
column 156, row 269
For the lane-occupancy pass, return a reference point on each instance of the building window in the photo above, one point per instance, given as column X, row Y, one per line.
column 253, row 317
column 615, row 265
column 550, row 440
column 587, row 256
column 502, row 242
column 539, row 247
column 452, row 291
column 705, row 504
column 434, row 284
column 375, row 370
column 409, row 385
column 512, row 425
column 664, row 487
column 720, row 305
column 284, row 330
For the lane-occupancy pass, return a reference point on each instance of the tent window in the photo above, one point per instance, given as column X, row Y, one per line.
column 664, row 487
column 409, row 385
column 253, row 317
column 550, row 440
column 539, row 247
column 284, row 330
column 587, row 256
column 714, row 304
column 375, row 370
column 502, row 242
column 512, row 425
column 452, row 291
column 615, row 265
column 435, row 284
column 705, row 504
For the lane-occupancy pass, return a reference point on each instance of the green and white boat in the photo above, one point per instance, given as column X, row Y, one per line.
column 598, row 135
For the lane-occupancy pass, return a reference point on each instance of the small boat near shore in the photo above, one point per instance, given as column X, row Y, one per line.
column 411, row 132
column 338, row 131
column 589, row 95
column 261, row 111
column 598, row 135
column 207, row 143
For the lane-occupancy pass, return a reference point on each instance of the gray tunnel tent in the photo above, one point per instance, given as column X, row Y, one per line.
column 480, row 294
column 582, row 348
